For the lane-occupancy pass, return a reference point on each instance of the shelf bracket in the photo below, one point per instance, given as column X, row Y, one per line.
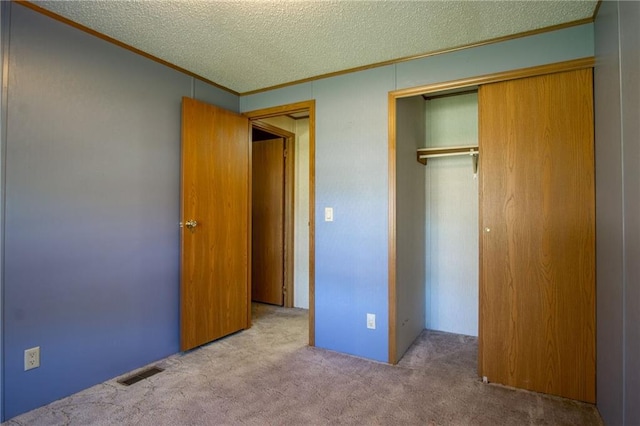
column 474, row 156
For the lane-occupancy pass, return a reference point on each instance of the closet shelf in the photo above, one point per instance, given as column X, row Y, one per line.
column 472, row 150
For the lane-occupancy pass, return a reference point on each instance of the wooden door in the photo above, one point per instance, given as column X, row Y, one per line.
column 215, row 194
column 267, row 241
column 537, row 293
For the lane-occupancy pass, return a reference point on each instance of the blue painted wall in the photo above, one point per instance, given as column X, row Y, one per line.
column 617, row 108
column 351, row 251
column 284, row 96
column 92, row 198
column 546, row 48
column 92, row 207
column 4, row 39
column 351, row 173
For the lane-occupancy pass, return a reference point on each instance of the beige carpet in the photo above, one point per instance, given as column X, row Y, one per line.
column 268, row 376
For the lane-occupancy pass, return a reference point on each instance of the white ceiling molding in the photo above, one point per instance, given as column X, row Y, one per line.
column 251, row 45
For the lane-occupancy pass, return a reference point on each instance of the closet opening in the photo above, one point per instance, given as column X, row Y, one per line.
column 451, row 213
column 508, row 257
column 436, row 212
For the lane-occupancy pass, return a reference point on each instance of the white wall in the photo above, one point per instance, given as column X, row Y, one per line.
column 301, row 221
column 452, row 218
column 301, row 206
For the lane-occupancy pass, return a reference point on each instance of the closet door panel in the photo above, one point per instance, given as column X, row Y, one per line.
column 537, row 302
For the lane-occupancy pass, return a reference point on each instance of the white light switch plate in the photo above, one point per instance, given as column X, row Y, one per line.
column 328, row 214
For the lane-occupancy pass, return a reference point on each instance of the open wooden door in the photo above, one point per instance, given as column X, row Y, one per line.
column 537, row 294
column 215, row 214
column 267, row 270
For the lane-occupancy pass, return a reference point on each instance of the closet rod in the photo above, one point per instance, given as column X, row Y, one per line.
column 425, row 153
column 448, row 154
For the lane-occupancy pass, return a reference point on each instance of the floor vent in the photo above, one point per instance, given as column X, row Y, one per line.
column 141, row 375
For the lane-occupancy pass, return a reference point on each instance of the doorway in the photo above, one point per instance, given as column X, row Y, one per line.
column 295, row 124
column 273, row 212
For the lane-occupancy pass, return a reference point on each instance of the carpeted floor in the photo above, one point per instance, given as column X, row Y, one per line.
column 267, row 375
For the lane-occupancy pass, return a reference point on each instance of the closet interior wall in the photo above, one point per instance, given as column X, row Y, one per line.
column 410, row 222
column 436, row 219
column 451, row 216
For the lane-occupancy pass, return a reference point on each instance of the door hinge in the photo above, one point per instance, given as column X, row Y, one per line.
column 285, row 153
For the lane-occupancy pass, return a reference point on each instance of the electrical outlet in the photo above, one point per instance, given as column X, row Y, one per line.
column 371, row 321
column 32, row 358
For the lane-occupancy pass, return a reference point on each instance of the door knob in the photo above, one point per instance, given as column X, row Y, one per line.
column 191, row 224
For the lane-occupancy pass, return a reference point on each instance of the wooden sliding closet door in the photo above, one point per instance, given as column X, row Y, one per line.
column 537, row 291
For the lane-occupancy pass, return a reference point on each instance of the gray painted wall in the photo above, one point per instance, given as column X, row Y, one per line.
column 630, row 91
column 617, row 109
column 92, row 192
column 410, row 222
column 4, row 40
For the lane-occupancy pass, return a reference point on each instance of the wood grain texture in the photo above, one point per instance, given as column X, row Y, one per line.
column 312, row 223
column 289, row 220
column 392, row 232
column 267, row 222
column 575, row 64
column 281, row 110
column 269, row 128
column 289, row 202
column 215, row 193
column 538, row 234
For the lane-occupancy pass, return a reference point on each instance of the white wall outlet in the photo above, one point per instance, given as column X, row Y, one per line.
column 328, row 214
column 371, row 321
column 32, row 358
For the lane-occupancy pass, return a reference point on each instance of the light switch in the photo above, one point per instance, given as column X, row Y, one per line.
column 328, row 214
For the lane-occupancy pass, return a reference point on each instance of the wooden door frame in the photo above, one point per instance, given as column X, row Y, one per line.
column 454, row 85
column 276, row 111
column 289, row 205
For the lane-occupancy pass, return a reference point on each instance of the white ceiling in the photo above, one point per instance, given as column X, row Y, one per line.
column 250, row 45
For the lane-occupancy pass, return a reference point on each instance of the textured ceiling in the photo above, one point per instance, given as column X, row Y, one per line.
column 249, row 45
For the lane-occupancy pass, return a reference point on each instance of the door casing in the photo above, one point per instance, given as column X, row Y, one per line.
column 289, row 194
column 310, row 107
